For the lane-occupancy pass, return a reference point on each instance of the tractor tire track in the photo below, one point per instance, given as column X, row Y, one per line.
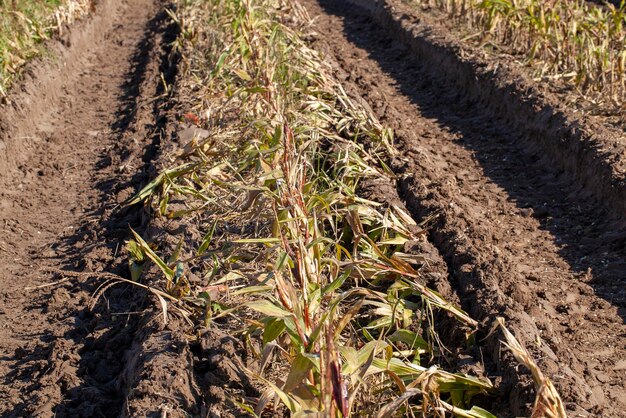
column 76, row 141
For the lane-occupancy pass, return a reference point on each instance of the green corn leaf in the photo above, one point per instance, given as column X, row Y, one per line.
column 252, row 289
column 409, row 338
column 172, row 173
column 299, row 370
column 267, row 308
column 273, row 328
column 169, row 273
column 206, row 241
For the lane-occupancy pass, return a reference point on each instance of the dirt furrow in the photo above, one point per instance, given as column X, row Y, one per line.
column 75, row 144
column 522, row 238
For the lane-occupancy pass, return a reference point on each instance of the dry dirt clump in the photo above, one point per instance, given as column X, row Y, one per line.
column 297, row 290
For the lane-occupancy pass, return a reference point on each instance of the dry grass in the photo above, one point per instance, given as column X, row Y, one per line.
column 24, row 24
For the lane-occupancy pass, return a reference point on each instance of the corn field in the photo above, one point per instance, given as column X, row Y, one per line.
column 345, row 320
column 573, row 40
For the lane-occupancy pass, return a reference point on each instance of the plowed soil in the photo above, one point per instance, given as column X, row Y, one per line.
column 524, row 232
column 522, row 237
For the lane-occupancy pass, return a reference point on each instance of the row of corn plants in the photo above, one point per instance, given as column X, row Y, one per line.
column 338, row 316
column 24, row 24
column 570, row 39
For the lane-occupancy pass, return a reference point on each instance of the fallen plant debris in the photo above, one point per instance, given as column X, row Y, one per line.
column 548, row 403
column 309, row 272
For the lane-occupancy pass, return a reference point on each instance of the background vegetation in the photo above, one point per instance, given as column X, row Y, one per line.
column 575, row 40
column 24, row 24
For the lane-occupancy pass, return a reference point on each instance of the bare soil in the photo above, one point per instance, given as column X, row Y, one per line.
column 525, row 233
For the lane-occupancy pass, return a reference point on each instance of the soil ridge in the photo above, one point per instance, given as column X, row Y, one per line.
column 593, row 154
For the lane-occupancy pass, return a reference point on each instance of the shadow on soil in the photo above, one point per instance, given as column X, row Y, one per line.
column 108, row 331
column 591, row 239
